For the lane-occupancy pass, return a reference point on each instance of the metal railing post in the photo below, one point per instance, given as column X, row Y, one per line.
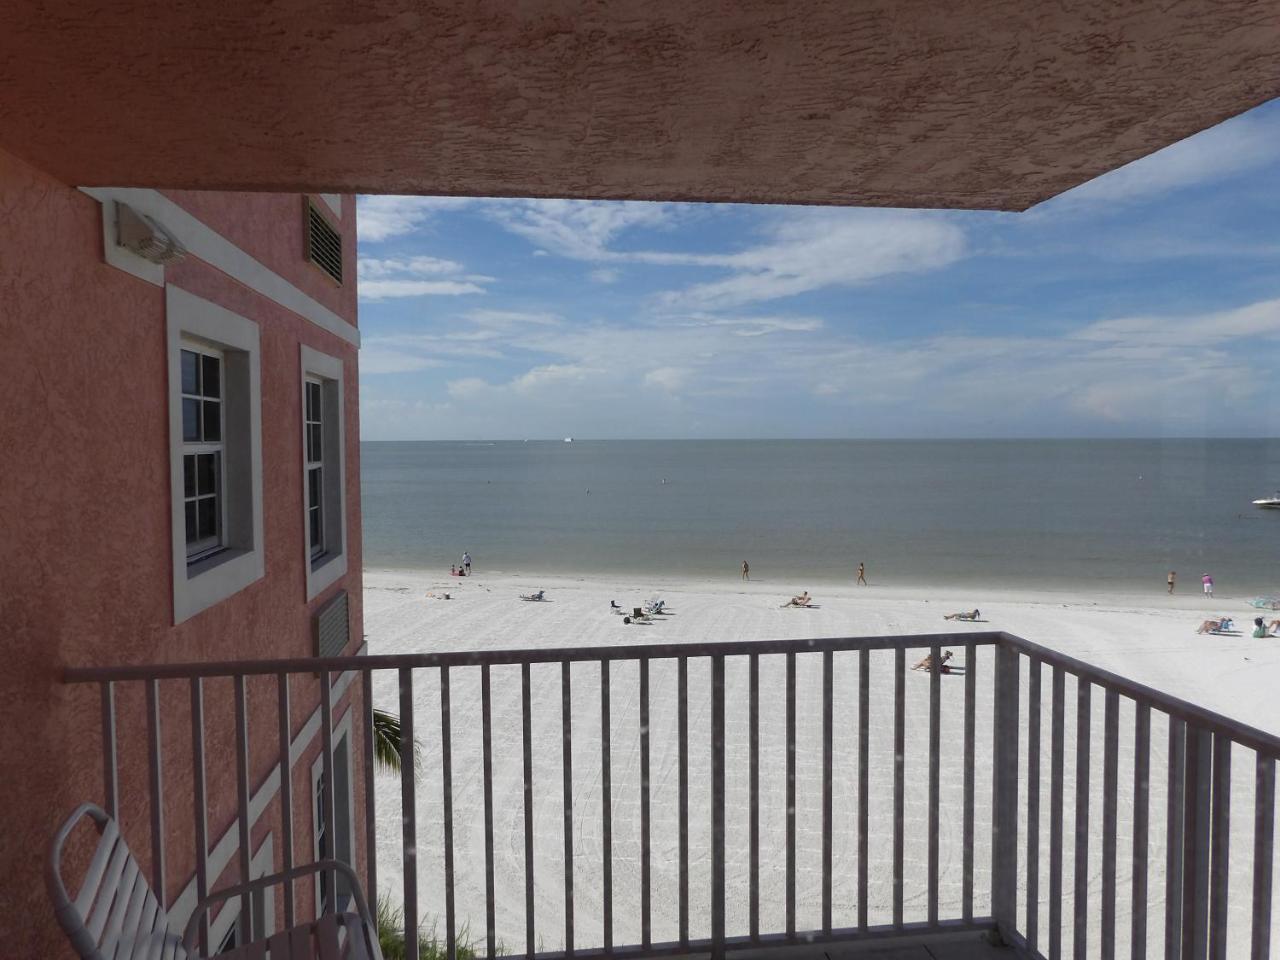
column 1004, row 840
column 717, row 808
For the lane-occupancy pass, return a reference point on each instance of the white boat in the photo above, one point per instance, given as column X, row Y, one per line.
column 1269, row 503
column 568, row 439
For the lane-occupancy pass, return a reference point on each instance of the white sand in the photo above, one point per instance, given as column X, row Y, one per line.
column 1151, row 639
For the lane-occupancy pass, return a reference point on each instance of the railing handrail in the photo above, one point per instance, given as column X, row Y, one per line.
column 1201, row 717
column 1242, row 733
column 515, row 657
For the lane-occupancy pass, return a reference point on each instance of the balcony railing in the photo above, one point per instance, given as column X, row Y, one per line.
column 1172, row 765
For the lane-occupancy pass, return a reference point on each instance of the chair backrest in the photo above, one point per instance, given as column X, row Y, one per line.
column 115, row 915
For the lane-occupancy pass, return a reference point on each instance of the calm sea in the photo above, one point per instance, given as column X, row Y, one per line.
column 1100, row 514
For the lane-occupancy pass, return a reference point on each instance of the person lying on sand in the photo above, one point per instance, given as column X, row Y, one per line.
column 927, row 662
column 1215, row 626
column 803, row 600
column 963, row 616
column 540, row 595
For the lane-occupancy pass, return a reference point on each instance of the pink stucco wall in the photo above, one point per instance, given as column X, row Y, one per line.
column 85, row 548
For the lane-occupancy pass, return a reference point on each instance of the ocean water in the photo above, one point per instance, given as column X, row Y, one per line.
column 1102, row 515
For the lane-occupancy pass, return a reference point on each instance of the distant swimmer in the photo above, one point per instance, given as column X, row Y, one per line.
column 862, row 574
column 746, row 569
column 1172, row 576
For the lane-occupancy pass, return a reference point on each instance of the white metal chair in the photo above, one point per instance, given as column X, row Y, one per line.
column 116, row 916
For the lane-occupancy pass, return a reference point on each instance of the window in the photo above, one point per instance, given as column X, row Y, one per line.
column 323, row 470
column 202, row 456
column 215, row 451
column 340, row 846
column 314, row 416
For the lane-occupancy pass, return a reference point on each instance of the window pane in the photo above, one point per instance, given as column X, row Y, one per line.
column 207, row 515
column 207, row 474
column 313, row 401
column 190, row 372
column 212, row 368
column 190, row 419
column 192, row 535
column 188, row 476
column 315, row 528
column 212, row 420
column 314, row 452
column 314, row 486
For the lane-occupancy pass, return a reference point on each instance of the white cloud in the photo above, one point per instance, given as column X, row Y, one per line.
column 396, row 277
column 605, row 275
column 812, row 249
column 670, row 379
column 381, row 218
column 377, row 360
column 1159, row 333
column 578, row 229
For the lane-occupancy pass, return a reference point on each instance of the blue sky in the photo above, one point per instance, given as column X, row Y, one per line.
column 1143, row 303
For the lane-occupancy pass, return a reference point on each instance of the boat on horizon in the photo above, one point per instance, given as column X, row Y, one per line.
column 568, row 439
column 1268, row 503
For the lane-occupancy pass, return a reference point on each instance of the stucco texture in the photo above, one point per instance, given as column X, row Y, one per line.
column 85, row 548
column 976, row 103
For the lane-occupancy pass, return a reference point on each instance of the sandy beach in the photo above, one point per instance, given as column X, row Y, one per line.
column 1150, row 638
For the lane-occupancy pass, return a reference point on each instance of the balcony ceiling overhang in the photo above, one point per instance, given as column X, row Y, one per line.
column 976, row 103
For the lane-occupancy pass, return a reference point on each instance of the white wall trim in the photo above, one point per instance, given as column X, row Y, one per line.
column 326, row 570
column 200, row 587
column 261, row 864
column 225, row 849
column 217, row 251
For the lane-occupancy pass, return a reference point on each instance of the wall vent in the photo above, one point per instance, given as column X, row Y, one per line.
column 324, row 243
column 333, row 627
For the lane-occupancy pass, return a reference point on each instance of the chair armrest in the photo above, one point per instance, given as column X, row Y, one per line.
column 188, row 937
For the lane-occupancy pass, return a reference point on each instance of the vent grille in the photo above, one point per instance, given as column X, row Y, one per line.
column 333, row 627
column 324, row 244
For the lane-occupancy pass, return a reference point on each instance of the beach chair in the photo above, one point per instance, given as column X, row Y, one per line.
column 654, row 607
column 615, row 608
column 540, row 595
column 115, row 914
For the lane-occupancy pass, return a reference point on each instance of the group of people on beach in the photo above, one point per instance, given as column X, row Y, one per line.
column 1206, row 582
column 862, row 572
column 461, row 569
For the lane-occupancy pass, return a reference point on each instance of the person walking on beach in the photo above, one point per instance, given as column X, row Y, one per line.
column 746, row 569
column 862, row 574
column 466, row 562
column 1208, row 585
column 1172, row 575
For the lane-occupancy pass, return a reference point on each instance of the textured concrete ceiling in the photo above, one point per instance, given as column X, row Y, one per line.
column 972, row 103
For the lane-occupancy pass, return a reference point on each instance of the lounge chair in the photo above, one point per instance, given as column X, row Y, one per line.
column 116, row 914
column 927, row 662
column 615, row 608
column 962, row 615
column 1216, row 626
column 654, row 607
column 540, row 595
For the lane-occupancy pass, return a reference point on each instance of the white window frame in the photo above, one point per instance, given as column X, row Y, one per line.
column 341, row 735
column 326, row 567
column 204, row 582
column 261, row 864
column 199, row 447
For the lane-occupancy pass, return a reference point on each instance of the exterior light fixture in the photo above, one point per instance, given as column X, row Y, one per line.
column 140, row 234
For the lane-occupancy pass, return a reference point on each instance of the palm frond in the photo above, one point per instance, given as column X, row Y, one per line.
column 386, row 740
